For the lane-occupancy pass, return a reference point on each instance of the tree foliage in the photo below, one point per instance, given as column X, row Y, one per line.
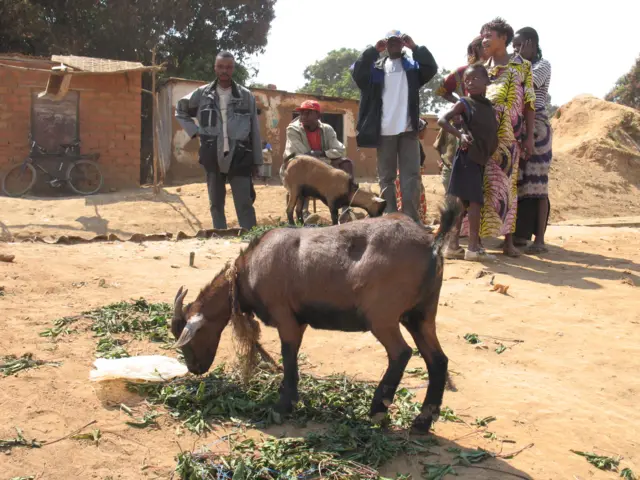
column 626, row 91
column 186, row 33
column 331, row 77
column 429, row 101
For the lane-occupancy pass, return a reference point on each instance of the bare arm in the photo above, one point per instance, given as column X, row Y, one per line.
column 445, row 120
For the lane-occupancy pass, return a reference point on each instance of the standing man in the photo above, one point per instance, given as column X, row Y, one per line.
column 307, row 135
column 230, row 147
column 389, row 113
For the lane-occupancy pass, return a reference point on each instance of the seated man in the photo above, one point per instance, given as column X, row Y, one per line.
column 307, row 135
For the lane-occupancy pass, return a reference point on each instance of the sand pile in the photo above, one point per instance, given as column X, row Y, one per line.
column 596, row 164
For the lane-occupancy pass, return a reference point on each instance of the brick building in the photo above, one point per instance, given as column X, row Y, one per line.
column 178, row 155
column 102, row 109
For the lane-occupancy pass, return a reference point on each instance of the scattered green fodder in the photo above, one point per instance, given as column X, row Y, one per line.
column 483, row 422
column 448, row 415
column 11, row 364
column 418, row 372
column 344, row 451
column 222, row 396
column 18, row 441
column 437, row 471
column 600, row 461
column 109, row 347
column 140, row 318
column 60, row 328
column 472, row 338
column 628, row 474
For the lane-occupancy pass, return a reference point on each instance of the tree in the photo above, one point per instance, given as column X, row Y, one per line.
column 626, row 91
column 429, row 101
column 331, row 77
column 186, row 33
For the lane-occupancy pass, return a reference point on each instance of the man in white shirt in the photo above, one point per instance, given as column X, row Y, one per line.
column 390, row 112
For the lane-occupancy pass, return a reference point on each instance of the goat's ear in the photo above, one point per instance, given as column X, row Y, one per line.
column 190, row 329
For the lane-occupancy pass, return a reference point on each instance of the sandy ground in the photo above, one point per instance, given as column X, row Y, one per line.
column 572, row 384
column 178, row 208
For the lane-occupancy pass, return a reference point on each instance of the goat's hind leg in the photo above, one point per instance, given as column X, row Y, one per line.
column 290, row 337
column 299, row 208
column 422, row 327
column 291, row 203
column 399, row 354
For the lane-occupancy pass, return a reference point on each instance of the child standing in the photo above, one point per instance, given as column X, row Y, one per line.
column 479, row 140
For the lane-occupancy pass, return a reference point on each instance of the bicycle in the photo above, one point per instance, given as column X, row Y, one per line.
column 76, row 168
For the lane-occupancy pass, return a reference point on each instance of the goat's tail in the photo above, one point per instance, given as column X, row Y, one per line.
column 448, row 217
column 286, row 161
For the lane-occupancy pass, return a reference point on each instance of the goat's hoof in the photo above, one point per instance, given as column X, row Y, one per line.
column 284, row 408
column 378, row 418
column 422, row 424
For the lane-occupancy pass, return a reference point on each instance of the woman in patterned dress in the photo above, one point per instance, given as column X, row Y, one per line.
column 512, row 95
column 533, row 181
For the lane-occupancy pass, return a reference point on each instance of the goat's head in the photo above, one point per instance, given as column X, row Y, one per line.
column 373, row 204
column 198, row 326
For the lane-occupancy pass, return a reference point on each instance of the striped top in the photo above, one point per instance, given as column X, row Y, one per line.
column 541, row 78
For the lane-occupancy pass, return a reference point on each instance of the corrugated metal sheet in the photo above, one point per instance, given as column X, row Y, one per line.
column 98, row 65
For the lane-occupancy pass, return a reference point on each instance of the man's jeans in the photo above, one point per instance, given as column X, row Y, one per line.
column 400, row 152
column 242, row 199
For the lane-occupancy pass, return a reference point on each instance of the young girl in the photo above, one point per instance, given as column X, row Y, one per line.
column 478, row 141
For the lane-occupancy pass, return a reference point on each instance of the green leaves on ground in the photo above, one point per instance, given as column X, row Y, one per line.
column 599, row 461
column 11, row 364
column 472, row 338
column 18, row 441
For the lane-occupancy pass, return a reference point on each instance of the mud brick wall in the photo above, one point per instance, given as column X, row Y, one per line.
column 109, row 119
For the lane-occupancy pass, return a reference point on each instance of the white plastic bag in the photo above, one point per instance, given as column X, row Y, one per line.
column 150, row 368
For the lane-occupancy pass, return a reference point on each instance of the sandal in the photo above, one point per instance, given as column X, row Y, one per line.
column 515, row 253
column 454, row 254
column 479, row 256
column 534, row 249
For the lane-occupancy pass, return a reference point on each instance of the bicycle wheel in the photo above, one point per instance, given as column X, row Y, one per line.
column 19, row 180
column 84, row 177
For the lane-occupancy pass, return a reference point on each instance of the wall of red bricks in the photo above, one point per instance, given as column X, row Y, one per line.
column 109, row 119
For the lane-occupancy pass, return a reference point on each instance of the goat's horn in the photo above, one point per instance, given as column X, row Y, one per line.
column 177, row 303
column 189, row 331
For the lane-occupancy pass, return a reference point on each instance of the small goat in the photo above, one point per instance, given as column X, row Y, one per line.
column 307, row 177
column 370, row 275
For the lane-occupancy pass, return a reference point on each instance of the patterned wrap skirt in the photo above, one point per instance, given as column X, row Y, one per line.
column 533, row 178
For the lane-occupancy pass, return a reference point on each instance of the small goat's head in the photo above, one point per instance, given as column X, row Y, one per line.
column 198, row 329
column 363, row 198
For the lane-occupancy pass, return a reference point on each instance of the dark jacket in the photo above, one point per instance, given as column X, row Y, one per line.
column 245, row 146
column 368, row 73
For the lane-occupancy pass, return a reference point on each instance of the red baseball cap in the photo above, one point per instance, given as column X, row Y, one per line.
column 309, row 105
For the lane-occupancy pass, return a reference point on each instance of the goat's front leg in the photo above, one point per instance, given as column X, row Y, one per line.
column 290, row 337
column 399, row 354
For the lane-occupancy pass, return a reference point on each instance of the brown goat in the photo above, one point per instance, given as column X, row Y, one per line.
column 371, row 275
column 307, row 177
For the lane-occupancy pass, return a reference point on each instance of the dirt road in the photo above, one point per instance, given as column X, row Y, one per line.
column 571, row 384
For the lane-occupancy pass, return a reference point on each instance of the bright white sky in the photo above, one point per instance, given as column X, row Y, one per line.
column 589, row 46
